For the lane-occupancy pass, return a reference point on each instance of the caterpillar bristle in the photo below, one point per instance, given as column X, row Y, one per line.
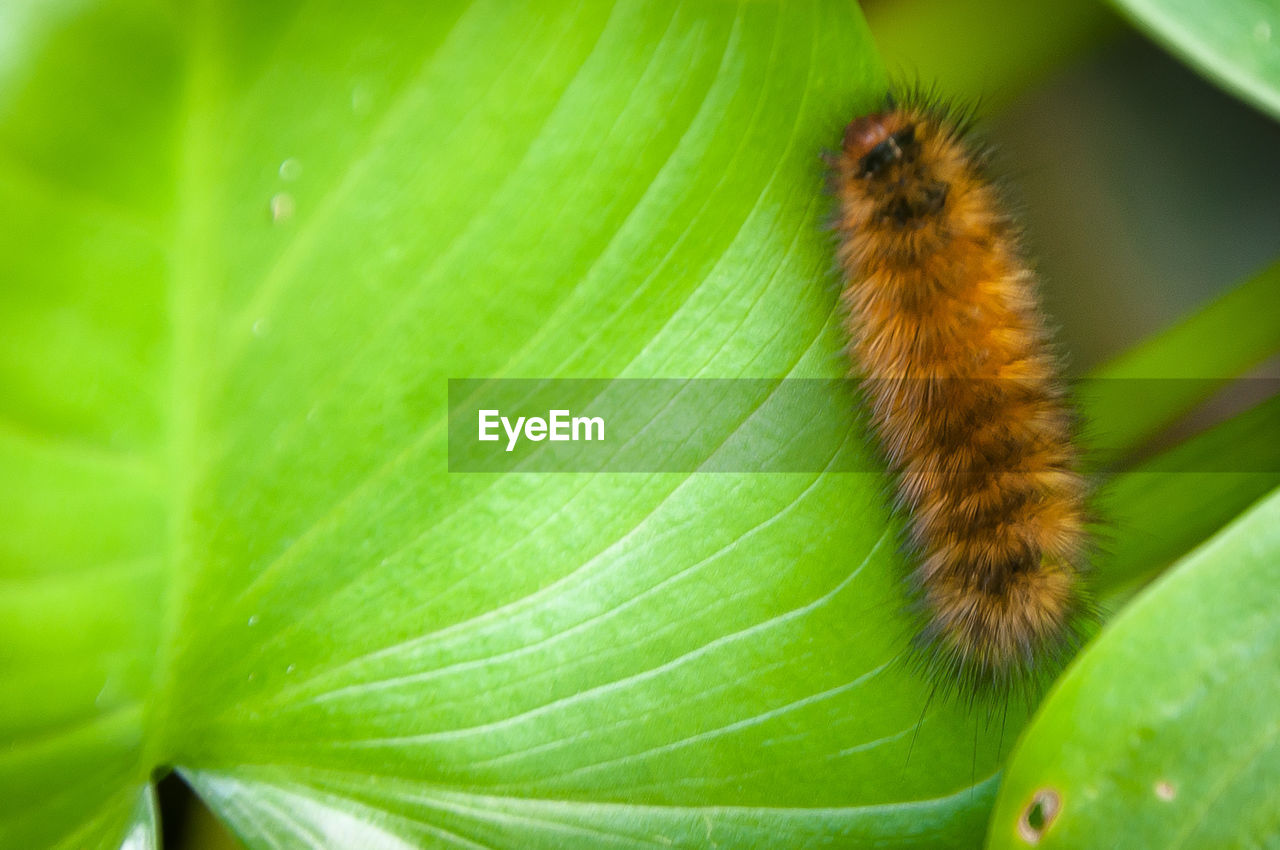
column 964, row 394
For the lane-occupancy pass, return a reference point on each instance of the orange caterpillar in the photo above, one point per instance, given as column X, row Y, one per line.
column 955, row 359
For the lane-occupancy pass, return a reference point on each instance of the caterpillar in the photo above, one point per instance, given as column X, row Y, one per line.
column 948, row 339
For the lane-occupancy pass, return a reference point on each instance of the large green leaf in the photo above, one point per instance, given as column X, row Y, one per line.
column 250, row 243
column 1234, row 42
column 1164, row 733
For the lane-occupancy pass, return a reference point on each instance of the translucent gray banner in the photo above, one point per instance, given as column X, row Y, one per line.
column 788, row 425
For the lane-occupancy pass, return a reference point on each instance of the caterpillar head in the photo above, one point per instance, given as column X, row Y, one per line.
column 883, row 154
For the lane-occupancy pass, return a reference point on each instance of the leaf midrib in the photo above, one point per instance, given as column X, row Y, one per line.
column 190, row 314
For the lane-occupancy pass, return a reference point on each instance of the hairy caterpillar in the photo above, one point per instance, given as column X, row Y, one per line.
column 948, row 339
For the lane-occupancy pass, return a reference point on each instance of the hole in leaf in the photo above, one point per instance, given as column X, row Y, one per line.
column 1039, row 814
column 185, row 821
column 175, row 800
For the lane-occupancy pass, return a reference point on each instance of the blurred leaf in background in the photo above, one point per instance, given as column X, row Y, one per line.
column 1236, row 43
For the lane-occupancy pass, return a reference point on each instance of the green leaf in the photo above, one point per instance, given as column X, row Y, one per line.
column 250, row 244
column 1164, row 732
column 1232, row 42
column 1178, row 499
column 334, row 810
column 1159, row 508
column 1181, row 366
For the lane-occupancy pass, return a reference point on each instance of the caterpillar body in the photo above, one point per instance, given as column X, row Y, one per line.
column 948, row 338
